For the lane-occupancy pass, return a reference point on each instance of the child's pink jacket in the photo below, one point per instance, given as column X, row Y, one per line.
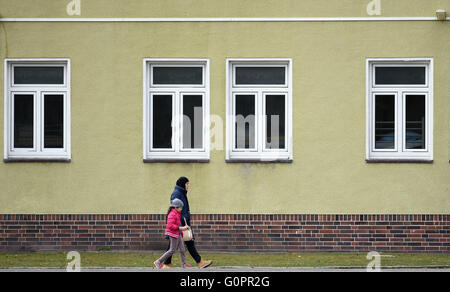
column 173, row 223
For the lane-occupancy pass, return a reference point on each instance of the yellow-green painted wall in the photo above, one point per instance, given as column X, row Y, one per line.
column 329, row 173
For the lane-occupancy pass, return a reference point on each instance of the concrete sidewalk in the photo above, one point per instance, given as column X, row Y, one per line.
column 234, row 269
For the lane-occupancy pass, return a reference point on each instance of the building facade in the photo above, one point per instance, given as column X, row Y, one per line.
column 96, row 95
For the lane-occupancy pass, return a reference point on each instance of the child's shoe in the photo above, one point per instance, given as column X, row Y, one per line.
column 186, row 266
column 157, row 264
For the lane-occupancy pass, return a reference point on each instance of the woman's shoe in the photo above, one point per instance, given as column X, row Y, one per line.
column 169, row 266
column 204, row 264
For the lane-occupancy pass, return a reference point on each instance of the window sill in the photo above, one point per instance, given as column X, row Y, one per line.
column 175, row 160
column 260, row 160
column 36, row 159
column 426, row 161
column 254, row 157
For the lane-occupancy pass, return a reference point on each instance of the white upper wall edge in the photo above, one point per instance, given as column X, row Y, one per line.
column 223, row 19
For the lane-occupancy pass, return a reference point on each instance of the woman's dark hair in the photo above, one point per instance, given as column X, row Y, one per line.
column 181, row 182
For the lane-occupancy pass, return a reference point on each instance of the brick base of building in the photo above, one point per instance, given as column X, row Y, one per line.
column 230, row 233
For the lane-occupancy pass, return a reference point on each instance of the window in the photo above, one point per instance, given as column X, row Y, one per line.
column 37, row 100
column 176, row 110
column 259, row 110
column 400, row 110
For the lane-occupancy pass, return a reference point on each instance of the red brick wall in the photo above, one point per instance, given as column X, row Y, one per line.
column 236, row 233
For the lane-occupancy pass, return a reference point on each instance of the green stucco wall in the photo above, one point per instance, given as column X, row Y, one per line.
column 329, row 173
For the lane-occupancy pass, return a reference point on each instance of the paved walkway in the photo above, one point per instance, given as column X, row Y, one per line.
column 230, row 269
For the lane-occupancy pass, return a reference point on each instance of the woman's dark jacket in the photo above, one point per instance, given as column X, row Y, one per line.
column 180, row 193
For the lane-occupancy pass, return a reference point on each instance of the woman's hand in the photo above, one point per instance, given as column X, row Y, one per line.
column 184, row 228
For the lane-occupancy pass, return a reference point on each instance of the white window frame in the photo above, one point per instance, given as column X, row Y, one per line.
column 259, row 153
column 400, row 153
column 177, row 153
column 38, row 153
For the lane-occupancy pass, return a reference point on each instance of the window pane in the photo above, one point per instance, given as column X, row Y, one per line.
column 245, row 121
column 192, row 121
column 38, row 75
column 162, row 121
column 385, row 122
column 23, row 120
column 399, row 75
column 275, row 121
column 260, row 75
column 54, row 121
column 415, row 121
column 178, row 75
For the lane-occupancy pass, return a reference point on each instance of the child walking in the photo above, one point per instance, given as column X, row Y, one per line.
column 174, row 232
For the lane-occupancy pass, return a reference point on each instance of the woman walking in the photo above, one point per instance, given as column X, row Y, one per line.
column 175, row 233
column 180, row 192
